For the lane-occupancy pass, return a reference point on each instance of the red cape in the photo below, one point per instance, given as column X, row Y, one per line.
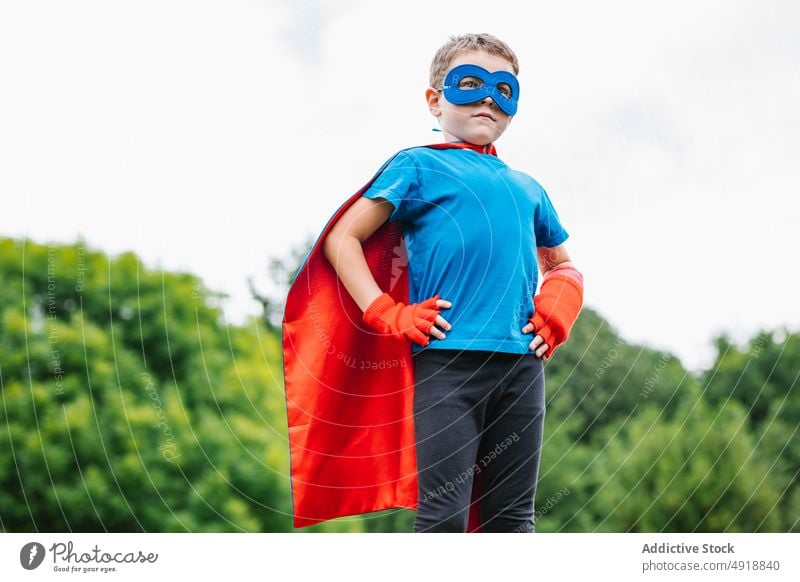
column 349, row 391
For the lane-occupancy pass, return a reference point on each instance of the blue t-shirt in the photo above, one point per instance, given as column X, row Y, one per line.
column 471, row 226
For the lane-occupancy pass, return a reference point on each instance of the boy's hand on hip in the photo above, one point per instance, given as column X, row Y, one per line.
column 538, row 345
column 415, row 322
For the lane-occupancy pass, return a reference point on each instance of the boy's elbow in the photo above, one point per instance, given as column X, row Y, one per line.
column 329, row 245
column 333, row 243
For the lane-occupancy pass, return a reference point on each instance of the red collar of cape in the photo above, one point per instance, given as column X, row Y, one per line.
column 350, row 392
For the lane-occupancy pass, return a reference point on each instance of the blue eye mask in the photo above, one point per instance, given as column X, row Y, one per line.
column 470, row 83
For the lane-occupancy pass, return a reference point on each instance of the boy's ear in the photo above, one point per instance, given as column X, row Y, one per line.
column 432, row 97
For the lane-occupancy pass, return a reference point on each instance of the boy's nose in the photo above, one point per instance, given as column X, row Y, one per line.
column 488, row 100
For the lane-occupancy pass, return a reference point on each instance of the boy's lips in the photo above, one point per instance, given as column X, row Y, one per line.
column 484, row 114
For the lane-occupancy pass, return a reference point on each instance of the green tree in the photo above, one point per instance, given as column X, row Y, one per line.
column 763, row 376
column 665, row 451
column 597, row 378
column 696, row 472
column 129, row 404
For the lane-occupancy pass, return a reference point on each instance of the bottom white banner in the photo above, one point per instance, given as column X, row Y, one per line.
column 418, row 557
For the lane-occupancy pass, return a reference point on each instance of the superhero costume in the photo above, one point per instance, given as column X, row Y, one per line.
column 349, row 392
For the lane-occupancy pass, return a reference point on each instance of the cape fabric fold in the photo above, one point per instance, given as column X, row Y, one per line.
column 349, row 390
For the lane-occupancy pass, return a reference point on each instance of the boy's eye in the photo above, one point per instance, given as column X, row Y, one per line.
column 505, row 90
column 470, row 83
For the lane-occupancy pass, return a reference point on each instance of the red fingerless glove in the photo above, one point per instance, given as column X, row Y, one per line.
column 557, row 306
column 412, row 321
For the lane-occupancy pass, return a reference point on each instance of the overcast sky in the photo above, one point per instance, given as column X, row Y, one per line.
column 211, row 136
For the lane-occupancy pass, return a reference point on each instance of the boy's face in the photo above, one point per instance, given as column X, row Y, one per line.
column 479, row 123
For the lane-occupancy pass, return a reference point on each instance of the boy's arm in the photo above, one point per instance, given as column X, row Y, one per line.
column 558, row 303
column 551, row 257
column 342, row 247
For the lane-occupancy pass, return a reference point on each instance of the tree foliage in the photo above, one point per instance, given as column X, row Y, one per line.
column 129, row 404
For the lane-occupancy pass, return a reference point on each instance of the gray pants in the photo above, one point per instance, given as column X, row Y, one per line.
column 477, row 415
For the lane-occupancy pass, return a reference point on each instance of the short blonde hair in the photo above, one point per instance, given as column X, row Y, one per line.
column 468, row 42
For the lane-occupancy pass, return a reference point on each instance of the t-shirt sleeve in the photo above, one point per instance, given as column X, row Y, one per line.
column 547, row 226
column 398, row 183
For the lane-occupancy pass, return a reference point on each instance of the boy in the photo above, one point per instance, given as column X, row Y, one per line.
column 446, row 415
